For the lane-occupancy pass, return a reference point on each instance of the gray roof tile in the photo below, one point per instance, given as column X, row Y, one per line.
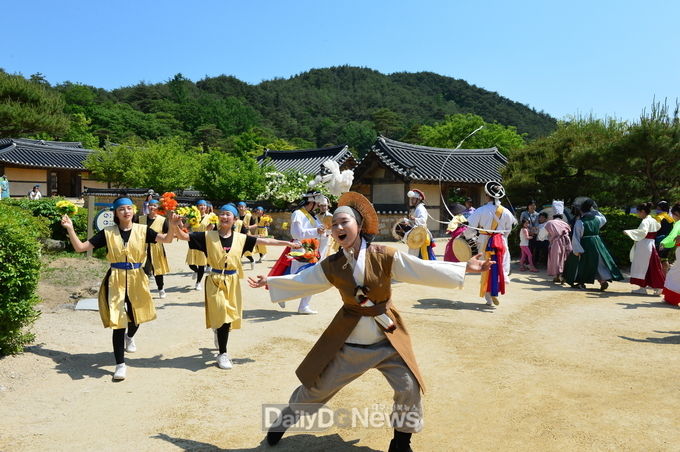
column 43, row 154
column 428, row 164
column 307, row 161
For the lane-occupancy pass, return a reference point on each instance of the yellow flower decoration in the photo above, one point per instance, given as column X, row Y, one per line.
column 284, row 226
column 66, row 207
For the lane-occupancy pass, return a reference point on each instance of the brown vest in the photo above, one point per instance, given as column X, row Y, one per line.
column 378, row 276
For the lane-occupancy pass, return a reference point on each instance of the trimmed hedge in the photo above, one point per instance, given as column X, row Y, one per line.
column 19, row 274
column 46, row 208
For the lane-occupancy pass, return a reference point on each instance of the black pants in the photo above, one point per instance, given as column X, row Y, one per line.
column 223, row 337
column 199, row 270
column 119, row 334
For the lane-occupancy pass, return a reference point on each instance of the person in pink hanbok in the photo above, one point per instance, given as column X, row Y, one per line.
column 558, row 232
column 455, row 229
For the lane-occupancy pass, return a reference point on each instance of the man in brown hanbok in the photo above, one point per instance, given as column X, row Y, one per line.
column 367, row 332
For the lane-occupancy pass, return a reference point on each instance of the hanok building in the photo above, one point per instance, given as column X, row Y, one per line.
column 56, row 166
column 308, row 161
column 392, row 168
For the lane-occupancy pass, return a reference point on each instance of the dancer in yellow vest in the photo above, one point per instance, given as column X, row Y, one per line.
column 156, row 260
column 195, row 259
column 223, row 249
column 124, row 297
column 262, row 222
column 246, row 224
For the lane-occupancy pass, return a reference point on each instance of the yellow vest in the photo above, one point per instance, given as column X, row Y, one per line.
column 223, row 291
column 159, row 261
column 118, row 282
column 196, row 257
column 245, row 222
column 262, row 231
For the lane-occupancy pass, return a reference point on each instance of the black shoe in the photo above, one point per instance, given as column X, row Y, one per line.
column 396, row 447
column 604, row 286
column 401, row 442
column 273, row 438
column 282, row 424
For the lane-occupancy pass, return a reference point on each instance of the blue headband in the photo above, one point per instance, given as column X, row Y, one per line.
column 230, row 208
column 153, row 201
column 259, row 208
column 201, row 202
column 242, row 204
column 122, row 202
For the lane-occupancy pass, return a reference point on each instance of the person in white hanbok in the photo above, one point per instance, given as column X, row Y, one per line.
column 418, row 217
column 645, row 270
column 492, row 216
column 304, row 225
column 671, row 290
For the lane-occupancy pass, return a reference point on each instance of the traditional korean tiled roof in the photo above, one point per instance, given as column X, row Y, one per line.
column 43, row 154
column 308, row 161
column 427, row 164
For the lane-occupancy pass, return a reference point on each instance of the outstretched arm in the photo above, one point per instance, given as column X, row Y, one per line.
column 275, row 242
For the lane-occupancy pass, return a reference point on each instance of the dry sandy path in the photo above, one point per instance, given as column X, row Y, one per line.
column 550, row 369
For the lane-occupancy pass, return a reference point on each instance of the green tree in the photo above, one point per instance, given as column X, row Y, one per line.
column 79, row 130
column 450, row 132
column 29, row 108
column 166, row 164
column 570, row 162
column 359, row 136
column 230, row 177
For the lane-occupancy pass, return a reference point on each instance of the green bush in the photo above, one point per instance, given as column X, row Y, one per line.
column 46, row 208
column 618, row 243
column 19, row 274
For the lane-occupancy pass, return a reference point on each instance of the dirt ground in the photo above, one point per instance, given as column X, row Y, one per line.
column 550, row 369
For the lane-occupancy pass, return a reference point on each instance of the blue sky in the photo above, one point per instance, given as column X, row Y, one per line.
column 578, row 57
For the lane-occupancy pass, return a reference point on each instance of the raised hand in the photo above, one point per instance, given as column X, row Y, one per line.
column 66, row 222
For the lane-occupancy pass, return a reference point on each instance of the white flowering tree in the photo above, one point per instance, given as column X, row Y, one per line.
column 282, row 189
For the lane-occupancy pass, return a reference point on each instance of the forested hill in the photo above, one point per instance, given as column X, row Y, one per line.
column 322, row 106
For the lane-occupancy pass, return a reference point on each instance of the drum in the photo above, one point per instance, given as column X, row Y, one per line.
column 461, row 249
column 400, row 229
column 417, row 237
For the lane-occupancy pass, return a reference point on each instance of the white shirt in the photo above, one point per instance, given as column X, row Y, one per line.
column 420, row 215
column 483, row 218
column 34, row 195
column 405, row 268
column 301, row 227
column 649, row 224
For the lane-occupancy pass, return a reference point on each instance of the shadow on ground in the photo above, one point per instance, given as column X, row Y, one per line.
column 439, row 303
column 292, row 442
column 674, row 338
column 92, row 365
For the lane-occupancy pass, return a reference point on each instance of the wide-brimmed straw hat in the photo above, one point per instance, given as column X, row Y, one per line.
column 358, row 202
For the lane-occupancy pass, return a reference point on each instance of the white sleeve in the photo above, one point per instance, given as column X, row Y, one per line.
column 542, row 234
column 639, row 233
column 410, row 269
column 309, row 281
column 298, row 230
column 602, row 219
column 576, row 237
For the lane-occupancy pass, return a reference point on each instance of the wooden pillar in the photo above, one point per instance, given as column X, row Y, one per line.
column 90, row 219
